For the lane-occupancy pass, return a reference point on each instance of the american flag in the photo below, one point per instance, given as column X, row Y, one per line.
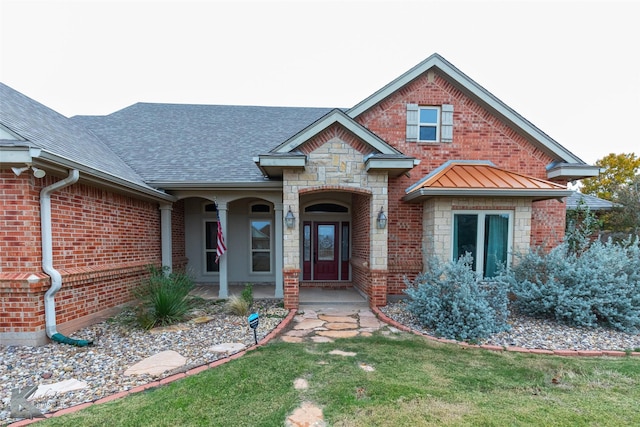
column 220, row 248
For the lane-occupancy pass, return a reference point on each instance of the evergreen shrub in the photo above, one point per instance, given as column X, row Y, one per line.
column 455, row 303
column 597, row 285
column 163, row 298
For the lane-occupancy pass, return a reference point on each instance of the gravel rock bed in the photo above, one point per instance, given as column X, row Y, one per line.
column 527, row 332
column 118, row 344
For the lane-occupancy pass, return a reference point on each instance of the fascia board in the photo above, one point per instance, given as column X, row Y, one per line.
column 492, row 192
column 573, row 171
column 393, row 86
column 105, row 180
column 403, row 164
column 477, row 91
column 281, row 161
column 18, row 154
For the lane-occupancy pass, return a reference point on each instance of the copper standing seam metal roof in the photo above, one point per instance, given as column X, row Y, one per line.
column 479, row 176
column 482, row 179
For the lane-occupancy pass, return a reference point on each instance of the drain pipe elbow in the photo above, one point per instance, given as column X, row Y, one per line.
column 47, row 259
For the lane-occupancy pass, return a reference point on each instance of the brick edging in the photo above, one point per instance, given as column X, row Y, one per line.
column 584, row 353
column 193, row 371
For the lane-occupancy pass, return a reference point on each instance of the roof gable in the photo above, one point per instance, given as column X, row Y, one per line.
column 480, row 95
column 333, row 117
column 288, row 154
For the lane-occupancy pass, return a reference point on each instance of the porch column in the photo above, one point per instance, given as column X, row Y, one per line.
column 165, row 236
column 278, row 232
column 223, row 293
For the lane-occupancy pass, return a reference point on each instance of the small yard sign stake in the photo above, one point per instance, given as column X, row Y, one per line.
column 253, row 323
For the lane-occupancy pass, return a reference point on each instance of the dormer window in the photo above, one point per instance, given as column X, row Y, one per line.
column 429, row 123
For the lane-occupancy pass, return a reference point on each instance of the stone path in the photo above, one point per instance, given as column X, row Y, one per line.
column 325, row 325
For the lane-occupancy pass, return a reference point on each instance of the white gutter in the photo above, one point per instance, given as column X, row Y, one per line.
column 47, row 250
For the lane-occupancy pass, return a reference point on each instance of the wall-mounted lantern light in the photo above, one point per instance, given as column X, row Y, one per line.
column 290, row 219
column 382, row 219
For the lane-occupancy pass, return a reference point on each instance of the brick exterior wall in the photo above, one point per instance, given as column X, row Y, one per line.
column 177, row 236
column 102, row 244
column 19, row 223
column 291, row 288
column 477, row 135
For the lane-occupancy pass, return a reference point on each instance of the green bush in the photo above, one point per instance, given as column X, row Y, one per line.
column 598, row 285
column 454, row 302
column 163, row 298
column 247, row 294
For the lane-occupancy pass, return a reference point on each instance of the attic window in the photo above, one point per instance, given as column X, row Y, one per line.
column 429, row 123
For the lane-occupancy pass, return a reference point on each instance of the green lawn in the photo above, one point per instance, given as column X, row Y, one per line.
column 415, row 382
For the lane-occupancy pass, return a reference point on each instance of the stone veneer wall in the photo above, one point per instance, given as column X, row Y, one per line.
column 438, row 222
column 336, row 163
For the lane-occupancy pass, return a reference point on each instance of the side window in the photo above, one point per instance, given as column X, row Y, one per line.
column 260, row 246
column 430, row 124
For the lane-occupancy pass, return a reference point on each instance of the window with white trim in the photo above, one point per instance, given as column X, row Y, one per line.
column 429, row 123
column 487, row 236
column 260, row 245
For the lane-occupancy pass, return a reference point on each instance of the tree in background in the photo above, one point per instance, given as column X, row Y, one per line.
column 626, row 217
column 617, row 171
column 618, row 182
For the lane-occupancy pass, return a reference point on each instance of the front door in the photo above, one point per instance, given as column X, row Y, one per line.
column 325, row 251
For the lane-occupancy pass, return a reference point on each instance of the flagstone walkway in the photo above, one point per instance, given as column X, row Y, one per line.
column 327, row 324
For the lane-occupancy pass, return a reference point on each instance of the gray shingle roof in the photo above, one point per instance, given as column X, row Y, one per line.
column 197, row 143
column 56, row 134
column 592, row 202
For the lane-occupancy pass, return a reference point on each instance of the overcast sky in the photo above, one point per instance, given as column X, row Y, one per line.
column 572, row 68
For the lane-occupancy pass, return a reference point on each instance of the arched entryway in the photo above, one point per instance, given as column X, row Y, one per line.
column 335, row 234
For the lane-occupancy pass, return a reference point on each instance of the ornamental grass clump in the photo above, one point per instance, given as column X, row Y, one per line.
column 598, row 285
column 237, row 305
column 163, row 298
column 455, row 303
column 240, row 305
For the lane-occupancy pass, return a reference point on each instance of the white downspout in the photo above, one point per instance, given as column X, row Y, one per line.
column 47, row 250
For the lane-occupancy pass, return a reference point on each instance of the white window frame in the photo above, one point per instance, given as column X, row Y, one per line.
column 252, row 250
column 437, row 123
column 481, row 235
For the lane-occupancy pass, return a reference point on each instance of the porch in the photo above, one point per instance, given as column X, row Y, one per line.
column 308, row 295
